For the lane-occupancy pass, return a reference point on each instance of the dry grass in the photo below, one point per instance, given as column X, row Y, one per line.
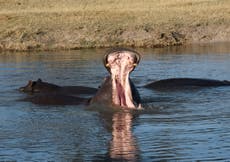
column 71, row 24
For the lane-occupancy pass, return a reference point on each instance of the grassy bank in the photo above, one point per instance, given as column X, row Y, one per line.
column 73, row 24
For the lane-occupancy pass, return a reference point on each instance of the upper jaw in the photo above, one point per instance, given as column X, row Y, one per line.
column 114, row 56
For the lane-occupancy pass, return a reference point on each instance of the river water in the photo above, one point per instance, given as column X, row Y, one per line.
column 182, row 125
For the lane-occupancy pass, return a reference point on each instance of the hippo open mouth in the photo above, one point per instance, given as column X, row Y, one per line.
column 120, row 63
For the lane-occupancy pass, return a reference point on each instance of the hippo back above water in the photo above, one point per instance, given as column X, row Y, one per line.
column 179, row 83
column 44, row 87
column 44, row 93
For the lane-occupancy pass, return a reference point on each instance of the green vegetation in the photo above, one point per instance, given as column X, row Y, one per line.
column 73, row 24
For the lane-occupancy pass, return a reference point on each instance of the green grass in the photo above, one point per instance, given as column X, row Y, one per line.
column 71, row 24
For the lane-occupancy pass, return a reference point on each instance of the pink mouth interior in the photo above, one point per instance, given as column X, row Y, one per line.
column 121, row 64
column 121, row 93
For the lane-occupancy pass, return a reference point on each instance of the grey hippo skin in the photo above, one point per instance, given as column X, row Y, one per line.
column 43, row 87
column 43, row 93
column 179, row 83
column 55, row 99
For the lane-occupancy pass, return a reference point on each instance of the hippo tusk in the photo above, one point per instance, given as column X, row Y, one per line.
column 105, row 62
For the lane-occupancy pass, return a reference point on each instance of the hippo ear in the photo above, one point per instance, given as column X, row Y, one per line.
column 39, row 80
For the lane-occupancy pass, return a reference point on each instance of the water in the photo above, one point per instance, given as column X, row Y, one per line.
column 186, row 125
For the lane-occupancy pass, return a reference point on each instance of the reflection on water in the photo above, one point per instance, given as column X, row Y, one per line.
column 186, row 125
column 123, row 145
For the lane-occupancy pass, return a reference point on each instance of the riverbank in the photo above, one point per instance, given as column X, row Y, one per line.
column 65, row 25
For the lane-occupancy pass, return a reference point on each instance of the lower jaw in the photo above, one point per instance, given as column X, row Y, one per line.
column 120, row 98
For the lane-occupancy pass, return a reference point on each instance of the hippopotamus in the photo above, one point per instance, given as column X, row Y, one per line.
column 43, row 87
column 44, row 93
column 118, row 89
column 179, row 83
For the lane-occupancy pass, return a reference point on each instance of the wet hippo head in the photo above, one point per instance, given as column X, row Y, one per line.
column 30, row 87
column 118, row 88
column 38, row 86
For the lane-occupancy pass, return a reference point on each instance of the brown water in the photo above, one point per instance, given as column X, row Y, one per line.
column 186, row 125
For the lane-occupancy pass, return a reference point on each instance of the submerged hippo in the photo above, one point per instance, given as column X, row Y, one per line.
column 43, row 93
column 43, row 87
column 176, row 83
column 118, row 89
column 55, row 99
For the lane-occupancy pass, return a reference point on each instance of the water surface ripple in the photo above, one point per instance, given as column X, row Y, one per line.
column 182, row 125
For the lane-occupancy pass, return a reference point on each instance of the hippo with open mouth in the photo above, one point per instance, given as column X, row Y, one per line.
column 118, row 89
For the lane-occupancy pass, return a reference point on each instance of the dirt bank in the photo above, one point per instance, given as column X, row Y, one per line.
column 44, row 39
column 57, row 25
